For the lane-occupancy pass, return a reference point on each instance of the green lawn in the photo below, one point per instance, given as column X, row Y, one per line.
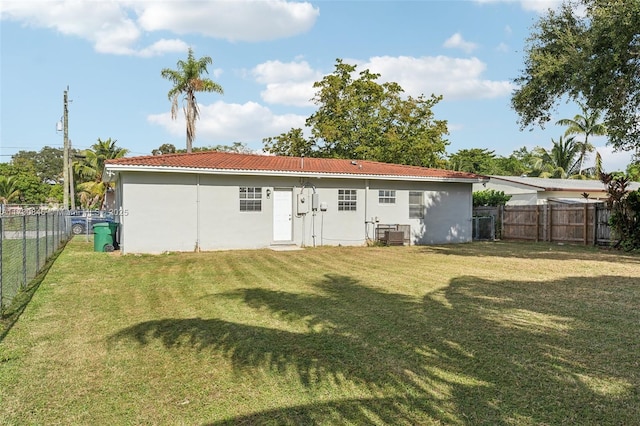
column 483, row 333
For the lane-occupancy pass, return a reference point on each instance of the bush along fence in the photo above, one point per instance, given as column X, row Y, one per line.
column 586, row 224
column 28, row 238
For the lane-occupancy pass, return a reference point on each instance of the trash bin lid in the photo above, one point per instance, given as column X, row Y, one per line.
column 95, row 225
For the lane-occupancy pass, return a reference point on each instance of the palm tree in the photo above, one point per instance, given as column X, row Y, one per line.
column 8, row 189
column 89, row 168
column 561, row 161
column 187, row 81
column 91, row 163
column 586, row 124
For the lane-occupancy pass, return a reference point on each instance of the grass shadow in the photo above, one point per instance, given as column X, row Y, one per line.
column 529, row 250
column 475, row 352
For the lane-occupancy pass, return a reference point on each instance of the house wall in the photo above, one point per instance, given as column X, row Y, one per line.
column 521, row 195
column 184, row 212
column 528, row 195
column 158, row 212
column 543, row 197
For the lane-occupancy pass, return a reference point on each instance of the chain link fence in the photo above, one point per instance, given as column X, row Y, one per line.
column 28, row 238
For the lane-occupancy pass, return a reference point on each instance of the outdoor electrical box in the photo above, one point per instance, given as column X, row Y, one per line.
column 315, row 202
column 303, row 204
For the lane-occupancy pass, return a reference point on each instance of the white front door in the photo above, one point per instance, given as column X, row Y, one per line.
column 282, row 212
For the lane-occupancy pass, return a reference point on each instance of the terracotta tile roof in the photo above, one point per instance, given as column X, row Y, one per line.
column 215, row 160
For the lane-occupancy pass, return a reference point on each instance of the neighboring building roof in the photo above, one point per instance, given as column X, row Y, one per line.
column 547, row 184
column 215, row 162
column 573, row 200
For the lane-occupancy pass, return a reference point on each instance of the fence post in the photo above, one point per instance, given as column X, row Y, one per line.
column 37, row 242
column 500, row 227
column 1, row 244
column 24, row 250
column 46, row 235
column 56, row 232
column 595, row 224
column 537, row 223
column 549, row 222
column 585, row 230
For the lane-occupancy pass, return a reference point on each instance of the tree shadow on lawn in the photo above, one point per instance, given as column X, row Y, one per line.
column 476, row 352
column 533, row 250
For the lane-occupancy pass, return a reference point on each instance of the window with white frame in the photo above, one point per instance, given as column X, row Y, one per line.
column 416, row 205
column 347, row 200
column 386, row 196
column 250, row 199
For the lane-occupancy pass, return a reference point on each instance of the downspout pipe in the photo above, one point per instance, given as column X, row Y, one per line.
column 197, row 248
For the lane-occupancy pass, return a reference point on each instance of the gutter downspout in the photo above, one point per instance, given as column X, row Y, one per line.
column 197, row 248
column 366, row 210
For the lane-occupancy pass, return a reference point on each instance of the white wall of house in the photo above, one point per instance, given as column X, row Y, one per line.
column 521, row 195
column 187, row 211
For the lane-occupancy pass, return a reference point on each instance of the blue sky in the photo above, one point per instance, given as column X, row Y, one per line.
column 266, row 55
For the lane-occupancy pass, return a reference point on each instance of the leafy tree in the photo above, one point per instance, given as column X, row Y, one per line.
column 633, row 171
column 292, row 144
column 48, row 162
column 527, row 158
column 490, row 197
column 475, row 160
column 625, row 211
column 31, row 190
column 586, row 124
column 510, row 166
column 187, row 81
column 361, row 119
column 56, row 193
column 588, row 53
column 237, row 147
column 165, row 148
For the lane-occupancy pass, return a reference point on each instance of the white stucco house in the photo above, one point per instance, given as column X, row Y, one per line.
column 534, row 190
column 217, row 200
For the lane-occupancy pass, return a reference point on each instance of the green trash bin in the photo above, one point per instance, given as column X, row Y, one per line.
column 102, row 238
column 113, row 228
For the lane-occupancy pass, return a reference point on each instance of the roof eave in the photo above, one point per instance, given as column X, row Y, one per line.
column 112, row 170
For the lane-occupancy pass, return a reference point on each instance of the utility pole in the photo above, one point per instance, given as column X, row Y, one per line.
column 72, row 192
column 65, row 160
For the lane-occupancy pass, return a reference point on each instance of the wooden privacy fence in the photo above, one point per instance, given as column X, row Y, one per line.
column 583, row 224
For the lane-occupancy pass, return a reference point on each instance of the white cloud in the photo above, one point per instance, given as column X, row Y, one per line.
column 104, row 23
column 457, row 42
column 116, row 27
column 508, row 31
column 295, row 94
column 238, row 20
column 538, row 6
column 287, row 83
column 612, row 160
column 279, row 72
column 454, row 78
column 502, row 47
column 224, row 123
column 164, row 46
